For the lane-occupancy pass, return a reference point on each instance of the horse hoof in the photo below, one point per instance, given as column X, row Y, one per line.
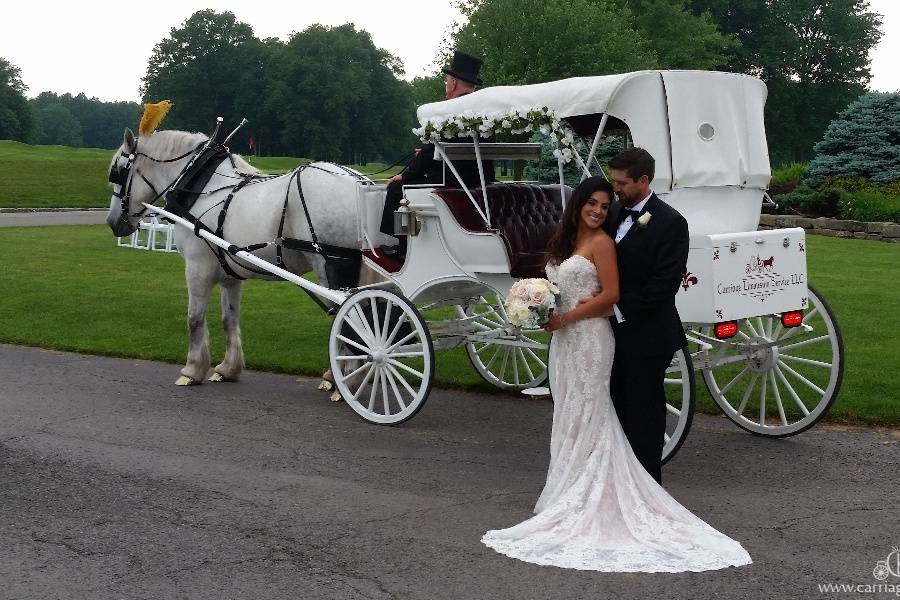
column 218, row 377
column 326, row 385
column 336, row 396
column 185, row 380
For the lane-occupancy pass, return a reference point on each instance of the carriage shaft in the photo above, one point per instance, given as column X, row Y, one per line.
column 319, row 290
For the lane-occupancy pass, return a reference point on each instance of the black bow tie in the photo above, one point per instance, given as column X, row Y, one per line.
column 623, row 214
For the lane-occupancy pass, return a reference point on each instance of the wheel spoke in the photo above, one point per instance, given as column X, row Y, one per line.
column 752, row 328
column 503, row 364
column 384, row 392
column 725, row 389
column 527, row 366
column 803, row 343
column 536, row 357
column 387, row 320
column 490, row 362
column 408, row 337
column 406, row 368
column 374, row 390
column 784, row 366
column 349, row 375
column 352, row 356
column 762, row 401
column 363, row 384
column 406, row 354
column 791, row 391
column 762, row 327
column 354, row 344
column 777, row 395
column 747, row 393
column 376, row 323
column 807, row 361
column 402, row 379
column 362, row 334
column 362, row 317
column 673, row 381
column 400, row 322
column 673, row 410
column 666, row 437
column 810, row 314
column 388, row 372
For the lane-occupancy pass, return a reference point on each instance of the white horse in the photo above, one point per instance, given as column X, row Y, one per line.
column 144, row 167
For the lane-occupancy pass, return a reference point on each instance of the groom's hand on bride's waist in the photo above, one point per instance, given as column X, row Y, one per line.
column 608, row 313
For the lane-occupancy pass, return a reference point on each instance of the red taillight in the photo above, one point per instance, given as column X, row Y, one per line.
column 726, row 330
column 792, row 318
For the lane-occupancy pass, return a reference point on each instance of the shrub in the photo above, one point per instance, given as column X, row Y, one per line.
column 795, row 172
column 869, row 205
column 815, row 202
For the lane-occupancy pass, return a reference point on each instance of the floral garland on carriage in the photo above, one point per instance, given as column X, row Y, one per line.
column 543, row 120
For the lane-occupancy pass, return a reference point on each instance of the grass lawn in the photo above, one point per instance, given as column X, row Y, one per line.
column 62, row 177
column 71, row 288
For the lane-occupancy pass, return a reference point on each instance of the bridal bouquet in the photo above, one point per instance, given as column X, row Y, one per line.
column 530, row 301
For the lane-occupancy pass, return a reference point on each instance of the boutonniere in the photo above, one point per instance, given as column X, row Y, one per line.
column 644, row 220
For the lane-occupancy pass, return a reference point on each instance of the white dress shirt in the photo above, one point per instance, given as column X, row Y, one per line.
column 624, row 228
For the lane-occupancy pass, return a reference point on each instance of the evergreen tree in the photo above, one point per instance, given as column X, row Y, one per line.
column 862, row 141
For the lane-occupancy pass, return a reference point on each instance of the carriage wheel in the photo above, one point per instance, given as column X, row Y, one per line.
column 680, row 394
column 510, row 363
column 778, row 382
column 381, row 356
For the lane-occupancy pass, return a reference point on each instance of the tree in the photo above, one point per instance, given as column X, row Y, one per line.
column 332, row 94
column 16, row 118
column 55, row 124
column 862, row 141
column 100, row 123
column 679, row 38
column 812, row 54
column 203, row 67
column 530, row 41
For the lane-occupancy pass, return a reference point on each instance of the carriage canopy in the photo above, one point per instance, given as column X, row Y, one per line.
column 704, row 128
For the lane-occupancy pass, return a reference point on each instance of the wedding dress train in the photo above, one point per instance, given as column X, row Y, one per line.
column 599, row 509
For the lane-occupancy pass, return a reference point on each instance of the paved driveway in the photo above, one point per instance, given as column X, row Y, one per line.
column 117, row 484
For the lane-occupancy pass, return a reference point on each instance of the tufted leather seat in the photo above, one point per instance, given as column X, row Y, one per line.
column 524, row 215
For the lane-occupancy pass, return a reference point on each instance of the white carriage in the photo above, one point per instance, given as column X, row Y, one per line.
column 767, row 345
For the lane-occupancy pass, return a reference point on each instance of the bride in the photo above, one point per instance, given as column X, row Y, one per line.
column 600, row 510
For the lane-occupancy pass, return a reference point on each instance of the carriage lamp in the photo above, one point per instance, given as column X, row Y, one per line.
column 726, row 330
column 405, row 222
column 792, row 318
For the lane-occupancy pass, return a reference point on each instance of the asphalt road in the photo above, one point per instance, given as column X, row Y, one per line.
column 41, row 218
column 116, row 484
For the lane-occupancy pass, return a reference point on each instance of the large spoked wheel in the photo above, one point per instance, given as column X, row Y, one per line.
column 504, row 356
column 779, row 382
column 381, row 356
column 680, row 394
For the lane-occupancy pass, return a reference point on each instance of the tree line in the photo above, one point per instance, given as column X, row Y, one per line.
column 331, row 93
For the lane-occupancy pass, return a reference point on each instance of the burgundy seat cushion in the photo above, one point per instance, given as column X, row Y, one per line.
column 525, row 216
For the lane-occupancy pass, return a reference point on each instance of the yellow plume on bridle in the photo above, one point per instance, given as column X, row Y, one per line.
column 153, row 114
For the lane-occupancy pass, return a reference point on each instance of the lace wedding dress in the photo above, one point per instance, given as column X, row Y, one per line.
column 600, row 510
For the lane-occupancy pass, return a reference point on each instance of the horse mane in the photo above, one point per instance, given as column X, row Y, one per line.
column 171, row 143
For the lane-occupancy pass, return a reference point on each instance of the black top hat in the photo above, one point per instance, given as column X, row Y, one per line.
column 464, row 67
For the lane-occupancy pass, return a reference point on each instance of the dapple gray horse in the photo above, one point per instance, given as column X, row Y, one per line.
column 153, row 163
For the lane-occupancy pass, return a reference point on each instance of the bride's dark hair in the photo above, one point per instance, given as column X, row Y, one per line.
column 562, row 243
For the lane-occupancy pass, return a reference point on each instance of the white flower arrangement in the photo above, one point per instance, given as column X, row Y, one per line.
column 517, row 122
column 530, row 302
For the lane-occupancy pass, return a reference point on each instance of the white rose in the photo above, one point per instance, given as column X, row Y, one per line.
column 644, row 219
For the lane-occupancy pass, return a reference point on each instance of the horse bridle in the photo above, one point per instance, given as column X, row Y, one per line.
column 123, row 176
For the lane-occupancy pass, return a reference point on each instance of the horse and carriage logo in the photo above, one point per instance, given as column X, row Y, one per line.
column 889, row 566
column 760, row 265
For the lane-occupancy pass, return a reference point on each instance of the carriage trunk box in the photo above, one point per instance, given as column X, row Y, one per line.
column 738, row 275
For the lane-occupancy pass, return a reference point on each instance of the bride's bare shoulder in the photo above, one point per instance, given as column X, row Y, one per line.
column 601, row 245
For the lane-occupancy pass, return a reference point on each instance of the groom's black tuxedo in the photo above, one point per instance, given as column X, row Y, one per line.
column 652, row 260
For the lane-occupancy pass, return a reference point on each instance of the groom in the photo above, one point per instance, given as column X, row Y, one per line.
column 652, row 247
